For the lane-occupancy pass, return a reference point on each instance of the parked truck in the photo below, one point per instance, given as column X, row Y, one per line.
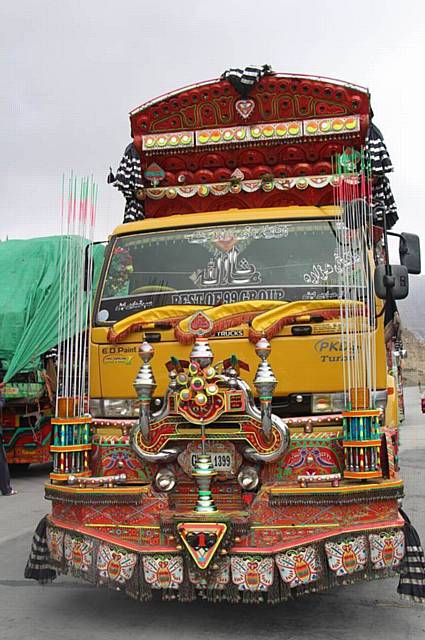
column 32, row 273
column 242, row 438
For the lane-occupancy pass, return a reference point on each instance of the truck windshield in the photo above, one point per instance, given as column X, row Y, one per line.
column 222, row 264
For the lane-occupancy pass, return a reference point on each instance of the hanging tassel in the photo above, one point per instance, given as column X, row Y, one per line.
column 134, row 583
column 230, row 593
column 187, row 590
column 253, row 597
column 145, row 590
column 169, row 594
column 227, row 593
column 412, row 575
column 274, row 593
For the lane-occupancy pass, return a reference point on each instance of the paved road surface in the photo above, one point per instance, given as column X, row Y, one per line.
column 69, row 610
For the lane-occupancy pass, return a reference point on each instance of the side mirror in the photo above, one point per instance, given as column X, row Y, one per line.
column 394, row 278
column 410, row 252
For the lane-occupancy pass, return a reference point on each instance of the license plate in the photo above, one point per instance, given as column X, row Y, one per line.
column 221, row 461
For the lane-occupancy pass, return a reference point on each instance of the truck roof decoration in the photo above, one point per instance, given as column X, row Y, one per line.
column 252, row 138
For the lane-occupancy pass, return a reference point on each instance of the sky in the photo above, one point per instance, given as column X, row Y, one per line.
column 70, row 72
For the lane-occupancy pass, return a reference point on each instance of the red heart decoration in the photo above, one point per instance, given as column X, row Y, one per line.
column 245, row 107
column 226, row 244
column 200, row 322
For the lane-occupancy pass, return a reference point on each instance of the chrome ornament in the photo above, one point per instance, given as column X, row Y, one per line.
column 200, row 395
column 201, row 353
column 204, row 473
column 265, row 383
column 145, row 386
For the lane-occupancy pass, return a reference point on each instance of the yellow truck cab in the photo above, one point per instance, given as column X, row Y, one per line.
column 171, row 261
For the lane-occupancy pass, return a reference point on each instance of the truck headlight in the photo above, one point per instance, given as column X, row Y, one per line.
column 248, row 478
column 113, row 408
column 165, row 479
column 335, row 402
column 327, row 402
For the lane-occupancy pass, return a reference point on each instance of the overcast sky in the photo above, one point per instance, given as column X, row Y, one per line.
column 70, row 72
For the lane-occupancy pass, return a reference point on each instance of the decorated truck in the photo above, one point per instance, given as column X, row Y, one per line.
column 32, row 272
column 26, row 412
column 240, row 442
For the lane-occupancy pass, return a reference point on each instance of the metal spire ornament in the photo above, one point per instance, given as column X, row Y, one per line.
column 265, row 383
column 202, row 357
column 145, row 385
column 201, row 352
column 203, row 474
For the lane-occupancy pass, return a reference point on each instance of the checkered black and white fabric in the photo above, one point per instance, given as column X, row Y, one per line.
column 244, row 80
column 383, row 200
column 127, row 180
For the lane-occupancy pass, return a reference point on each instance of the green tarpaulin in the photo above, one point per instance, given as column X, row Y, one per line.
column 32, row 274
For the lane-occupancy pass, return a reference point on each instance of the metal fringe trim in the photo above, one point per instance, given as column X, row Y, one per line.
column 93, row 497
column 328, row 498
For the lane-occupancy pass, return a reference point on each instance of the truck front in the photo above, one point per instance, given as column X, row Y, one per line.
column 243, row 445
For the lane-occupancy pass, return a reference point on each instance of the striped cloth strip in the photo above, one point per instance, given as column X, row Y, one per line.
column 244, row 80
column 383, row 200
column 377, row 153
column 38, row 566
column 412, row 575
column 128, row 180
column 380, row 163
